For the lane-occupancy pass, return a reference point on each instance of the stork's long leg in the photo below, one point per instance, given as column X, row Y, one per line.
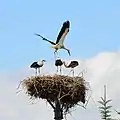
column 35, row 71
column 39, row 71
column 73, row 72
column 57, row 70
column 60, row 70
column 67, row 51
column 55, row 55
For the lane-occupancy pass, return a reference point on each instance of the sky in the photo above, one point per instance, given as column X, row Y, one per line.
column 94, row 27
column 93, row 38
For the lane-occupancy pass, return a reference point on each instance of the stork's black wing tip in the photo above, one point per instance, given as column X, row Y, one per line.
column 40, row 36
column 36, row 34
column 66, row 23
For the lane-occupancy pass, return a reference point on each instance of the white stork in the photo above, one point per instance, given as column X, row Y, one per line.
column 71, row 65
column 37, row 65
column 60, row 38
column 58, row 63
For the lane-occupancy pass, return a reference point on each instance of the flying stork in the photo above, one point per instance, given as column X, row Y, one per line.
column 37, row 66
column 71, row 65
column 58, row 63
column 60, row 38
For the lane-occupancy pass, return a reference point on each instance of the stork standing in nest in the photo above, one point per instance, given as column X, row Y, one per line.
column 37, row 66
column 58, row 63
column 60, row 38
column 71, row 65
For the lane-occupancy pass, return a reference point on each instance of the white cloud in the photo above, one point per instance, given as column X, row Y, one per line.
column 103, row 69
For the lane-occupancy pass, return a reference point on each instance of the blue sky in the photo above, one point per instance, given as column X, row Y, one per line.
column 95, row 27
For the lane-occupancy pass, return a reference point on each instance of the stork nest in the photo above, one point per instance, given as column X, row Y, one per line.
column 70, row 90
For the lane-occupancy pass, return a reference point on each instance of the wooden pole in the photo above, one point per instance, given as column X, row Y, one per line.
column 58, row 112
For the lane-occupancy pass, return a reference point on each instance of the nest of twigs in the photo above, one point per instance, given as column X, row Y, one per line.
column 71, row 90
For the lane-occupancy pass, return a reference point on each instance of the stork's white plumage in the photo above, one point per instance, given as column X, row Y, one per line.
column 60, row 38
column 37, row 65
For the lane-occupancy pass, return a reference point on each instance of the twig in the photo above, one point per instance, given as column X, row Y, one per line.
column 117, row 112
column 18, row 91
column 82, row 106
column 82, row 72
column 19, row 84
column 59, row 94
column 35, row 87
column 64, row 95
column 51, row 103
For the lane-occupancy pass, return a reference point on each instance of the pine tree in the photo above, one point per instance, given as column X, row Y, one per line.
column 105, row 108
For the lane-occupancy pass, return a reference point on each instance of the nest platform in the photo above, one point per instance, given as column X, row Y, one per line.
column 71, row 90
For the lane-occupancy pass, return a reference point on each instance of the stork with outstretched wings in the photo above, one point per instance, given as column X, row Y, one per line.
column 59, row 44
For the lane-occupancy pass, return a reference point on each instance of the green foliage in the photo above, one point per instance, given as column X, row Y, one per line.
column 105, row 108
